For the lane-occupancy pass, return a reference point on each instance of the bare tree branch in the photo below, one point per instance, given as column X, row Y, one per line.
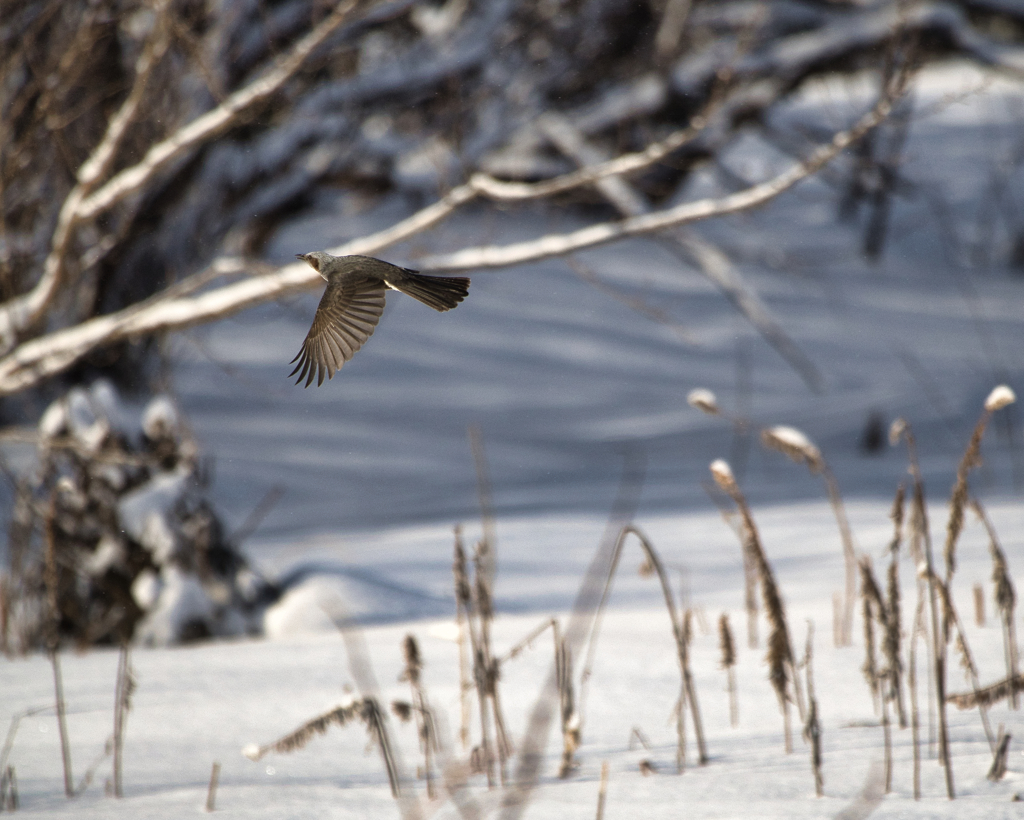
column 711, row 261
column 47, row 355
column 82, row 203
column 210, row 124
column 494, row 256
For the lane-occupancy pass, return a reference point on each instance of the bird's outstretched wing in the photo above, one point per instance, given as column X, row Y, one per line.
column 346, row 317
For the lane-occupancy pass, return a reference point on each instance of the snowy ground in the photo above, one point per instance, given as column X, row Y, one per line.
column 198, row 705
column 563, row 380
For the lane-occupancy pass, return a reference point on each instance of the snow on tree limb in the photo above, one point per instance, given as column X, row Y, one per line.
column 532, row 250
column 49, row 354
column 84, row 203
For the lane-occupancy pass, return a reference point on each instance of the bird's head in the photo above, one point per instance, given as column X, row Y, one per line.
column 317, row 260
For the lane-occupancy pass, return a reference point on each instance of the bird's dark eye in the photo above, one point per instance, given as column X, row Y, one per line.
column 314, row 263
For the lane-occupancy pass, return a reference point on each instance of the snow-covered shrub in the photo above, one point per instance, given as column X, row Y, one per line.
column 112, row 538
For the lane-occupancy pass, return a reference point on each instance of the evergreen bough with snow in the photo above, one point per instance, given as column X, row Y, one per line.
column 112, row 538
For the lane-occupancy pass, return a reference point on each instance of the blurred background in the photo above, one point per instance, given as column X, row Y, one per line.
column 887, row 284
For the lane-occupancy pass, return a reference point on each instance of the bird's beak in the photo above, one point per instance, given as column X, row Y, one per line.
column 301, row 256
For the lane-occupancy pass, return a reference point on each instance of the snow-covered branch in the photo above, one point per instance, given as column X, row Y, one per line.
column 83, row 203
column 494, row 256
column 406, row 100
column 49, row 354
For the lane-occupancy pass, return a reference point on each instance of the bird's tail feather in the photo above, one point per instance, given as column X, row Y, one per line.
column 438, row 292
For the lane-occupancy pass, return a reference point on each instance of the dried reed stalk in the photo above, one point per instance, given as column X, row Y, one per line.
column 1000, row 397
column 781, row 661
column 875, row 609
column 8, row 789
column 364, row 709
column 1005, row 597
column 462, row 598
column 531, row 636
column 530, row 756
column 837, row 618
column 474, row 601
column 485, row 549
column 794, row 444
column 570, row 722
column 680, row 709
column 979, row 605
column 922, row 539
column 704, row 400
column 892, row 642
column 12, row 730
column 485, row 669
column 728, row 649
column 998, row 768
column 887, row 743
column 989, row 694
column 602, row 790
column 952, row 617
column 750, row 602
column 93, row 767
column 486, row 674
column 466, row 604
column 51, row 578
column 915, row 720
column 124, row 688
column 421, row 709
column 688, row 692
column 211, row 789
column 62, row 724
column 567, row 704
column 812, row 727
column 919, row 530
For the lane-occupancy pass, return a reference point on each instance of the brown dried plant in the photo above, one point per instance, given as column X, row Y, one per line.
column 750, row 575
column 892, row 642
column 921, row 551
column 8, row 789
column 874, row 611
column 780, row 657
column 998, row 768
column 799, row 448
column 1005, row 598
column 570, row 722
column 124, row 689
column 979, row 604
column 566, row 704
column 728, row 649
column 602, row 790
column 54, row 578
column 366, row 710
column 1000, row 397
column 680, row 632
column 211, row 788
column 952, row 617
column 476, row 612
column 916, row 630
column 893, row 638
column 420, row 709
column 989, row 695
column 880, row 680
column 812, row 727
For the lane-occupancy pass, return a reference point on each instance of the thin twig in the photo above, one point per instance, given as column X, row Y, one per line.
column 211, row 789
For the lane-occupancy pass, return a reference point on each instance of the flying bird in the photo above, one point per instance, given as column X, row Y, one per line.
column 353, row 302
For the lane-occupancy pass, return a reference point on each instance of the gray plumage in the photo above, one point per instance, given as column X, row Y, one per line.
column 353, row 303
